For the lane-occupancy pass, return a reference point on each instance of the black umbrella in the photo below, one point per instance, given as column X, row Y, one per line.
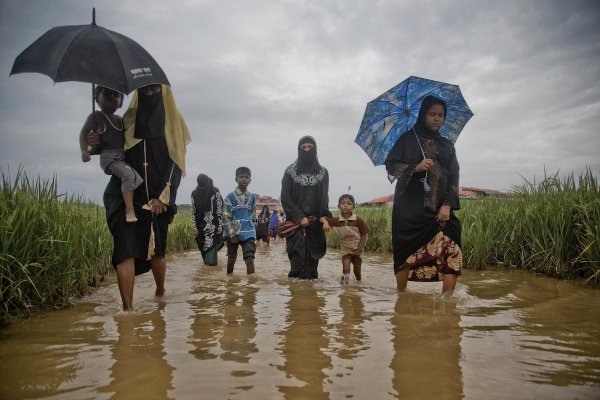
column 93, row 54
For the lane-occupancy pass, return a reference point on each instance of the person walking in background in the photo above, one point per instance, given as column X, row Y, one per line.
column 238, row 223
column 273, row 224
column 207, row 218
column 425, row 231
column 262, row 225
column 305, row 200
column 353, row 232
column 111, row 146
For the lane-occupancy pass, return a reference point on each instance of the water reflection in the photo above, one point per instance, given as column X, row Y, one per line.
column 140, row 369
column 426, row 336
column 556, row 335
column 50, row 354
column 504, row 335
column 239, row 322
column 350, row 330
column 205, row 326
column 303, row 341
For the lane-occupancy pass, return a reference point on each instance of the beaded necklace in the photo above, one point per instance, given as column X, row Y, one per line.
column 111, row 123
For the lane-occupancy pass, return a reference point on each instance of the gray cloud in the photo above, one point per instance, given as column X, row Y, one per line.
column 252, row 77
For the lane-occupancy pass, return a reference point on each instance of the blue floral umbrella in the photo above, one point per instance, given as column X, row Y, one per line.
column 394, row 112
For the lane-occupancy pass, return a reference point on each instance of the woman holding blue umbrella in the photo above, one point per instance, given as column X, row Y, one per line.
column 425, row 232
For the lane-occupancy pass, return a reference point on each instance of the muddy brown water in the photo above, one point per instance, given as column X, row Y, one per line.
column 504, row 335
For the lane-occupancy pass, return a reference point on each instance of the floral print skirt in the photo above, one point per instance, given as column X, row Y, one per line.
column 438, row 257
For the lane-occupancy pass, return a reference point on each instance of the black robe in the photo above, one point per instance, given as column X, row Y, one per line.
column 414, row 212
column 132, row 239
column 301, row 198
column 208, row 237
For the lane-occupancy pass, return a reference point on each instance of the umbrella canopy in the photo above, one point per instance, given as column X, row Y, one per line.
column 92, row 54
column 394, row 112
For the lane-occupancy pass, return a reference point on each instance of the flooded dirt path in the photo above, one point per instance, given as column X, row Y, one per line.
column 505, row 334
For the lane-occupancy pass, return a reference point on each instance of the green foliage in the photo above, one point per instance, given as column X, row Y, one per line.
column 54, row 246
column 549, row 227
column 181, row 234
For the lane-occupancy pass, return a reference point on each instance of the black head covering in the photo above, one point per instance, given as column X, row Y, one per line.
column 265, row 215
column 150, row 116
column 203, row 193
column 307, row 160
column 426, row 104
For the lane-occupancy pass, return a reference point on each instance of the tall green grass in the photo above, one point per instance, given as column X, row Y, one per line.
column 550, row 227
column 181, row 235
column 54, row 246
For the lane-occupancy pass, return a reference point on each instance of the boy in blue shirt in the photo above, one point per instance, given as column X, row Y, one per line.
column 238, row 223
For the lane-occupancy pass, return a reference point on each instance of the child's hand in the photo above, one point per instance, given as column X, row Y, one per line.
column 93, row 138
column 326, row 226
column 220, row 229
column 195, row 232
column 85, row 156
column 304, row 222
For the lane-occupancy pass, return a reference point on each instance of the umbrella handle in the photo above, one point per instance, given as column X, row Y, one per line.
column 93, row 104
column 426, row 186
column 419, row 142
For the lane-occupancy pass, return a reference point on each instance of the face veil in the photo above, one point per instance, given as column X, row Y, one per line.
column 150, row 117
column 307, row 160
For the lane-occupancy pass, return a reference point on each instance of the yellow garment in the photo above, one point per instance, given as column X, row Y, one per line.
column 151, row 245
column 176, row 131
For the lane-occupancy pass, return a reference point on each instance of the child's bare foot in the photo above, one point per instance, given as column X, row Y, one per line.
column 159, row 292
column 345, row 278
column 130, row 215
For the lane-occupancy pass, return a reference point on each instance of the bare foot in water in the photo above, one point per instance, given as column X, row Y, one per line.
column 159, row 292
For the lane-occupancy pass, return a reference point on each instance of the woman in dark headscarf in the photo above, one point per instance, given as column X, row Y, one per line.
column 155, row 141
column 262, row 225
column 305, row 200
column 207, row 215
column 425, row 232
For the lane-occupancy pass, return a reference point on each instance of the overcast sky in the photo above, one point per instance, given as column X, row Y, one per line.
column 252, row 77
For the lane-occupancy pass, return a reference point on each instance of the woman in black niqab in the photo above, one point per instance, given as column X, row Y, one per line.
column 425, row 231
column 305, row 200
column 139, row 247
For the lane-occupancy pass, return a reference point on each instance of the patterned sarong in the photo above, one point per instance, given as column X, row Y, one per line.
column 438, row 257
